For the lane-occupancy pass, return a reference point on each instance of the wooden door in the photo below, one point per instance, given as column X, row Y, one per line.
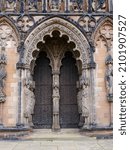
column 42, row 117
column 69, row 116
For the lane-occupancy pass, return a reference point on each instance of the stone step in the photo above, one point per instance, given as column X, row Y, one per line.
column 64, row 134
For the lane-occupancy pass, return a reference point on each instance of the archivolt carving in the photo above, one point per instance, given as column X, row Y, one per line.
column 65, row 28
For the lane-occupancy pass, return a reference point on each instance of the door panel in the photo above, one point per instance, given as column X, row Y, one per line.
column 69, row 117
column 42, row 117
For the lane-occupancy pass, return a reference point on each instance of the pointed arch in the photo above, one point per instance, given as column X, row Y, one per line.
column 65, row 28
column 101, row 23
column 4, row 20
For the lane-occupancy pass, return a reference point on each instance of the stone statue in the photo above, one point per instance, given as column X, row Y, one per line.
column 29, row 98
column 98, row 4
column 77, row 5
column 3, row 75
column 10, row 5
column 32, row 5
column 79, row 101
column 85, row 111
column 54, row 5
column 109, row 77
column 56, row 98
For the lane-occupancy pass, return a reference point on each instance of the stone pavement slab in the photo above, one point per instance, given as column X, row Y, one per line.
column 91, row 144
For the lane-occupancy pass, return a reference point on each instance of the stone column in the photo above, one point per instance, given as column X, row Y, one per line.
column 56, row 98
column 85, row 99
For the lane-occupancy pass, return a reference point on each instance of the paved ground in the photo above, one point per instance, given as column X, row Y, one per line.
column 57, row 141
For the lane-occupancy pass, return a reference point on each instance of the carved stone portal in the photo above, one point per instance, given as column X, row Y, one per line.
column 70, row 39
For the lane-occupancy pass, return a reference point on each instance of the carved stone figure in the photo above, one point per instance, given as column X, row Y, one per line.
column 29, row 98
column 10, row 5
column 56, row 98
column 85, row 111
column 3, row 75
column 98, row 5
column 109, row 78
column 77, row 5
column 79, row 101
column 54, row 5
column 32, row 5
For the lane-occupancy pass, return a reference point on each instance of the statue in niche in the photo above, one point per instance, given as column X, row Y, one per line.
column 10, row 5
column 3, row 75
column 54, row 5
column 109, row 77
column 32, row 5
column 29, row 87
column 98, row 5
column 77, row 5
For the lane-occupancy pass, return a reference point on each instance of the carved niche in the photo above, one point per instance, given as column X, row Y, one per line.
column 99, row 5
column 6, row 37
column 10, row 5
column 104, row 36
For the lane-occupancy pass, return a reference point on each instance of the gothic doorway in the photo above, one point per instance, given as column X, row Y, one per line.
column 69, row 116
column 42, row 117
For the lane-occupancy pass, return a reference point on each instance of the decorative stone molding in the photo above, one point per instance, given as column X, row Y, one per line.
column 65, row 28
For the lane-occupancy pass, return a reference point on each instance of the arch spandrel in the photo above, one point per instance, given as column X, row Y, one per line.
column 65, row 28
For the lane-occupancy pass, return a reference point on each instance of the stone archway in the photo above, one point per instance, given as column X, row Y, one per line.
column 73, row 37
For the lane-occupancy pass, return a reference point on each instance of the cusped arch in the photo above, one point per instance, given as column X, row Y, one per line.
column 65, row 28
column 8, row 22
